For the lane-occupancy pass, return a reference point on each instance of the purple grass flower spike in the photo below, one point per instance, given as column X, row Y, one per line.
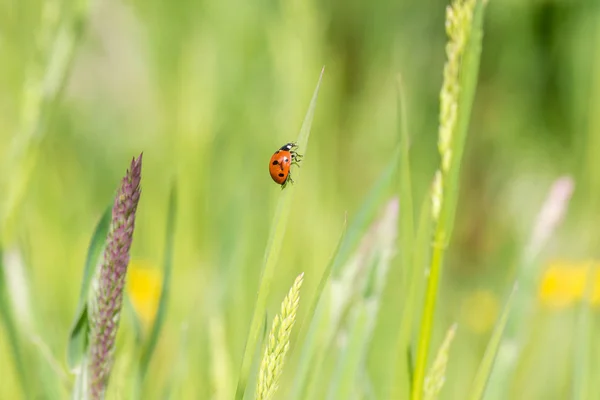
column 109, row 282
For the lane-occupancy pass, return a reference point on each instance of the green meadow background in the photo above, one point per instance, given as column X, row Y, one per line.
column 209, row 91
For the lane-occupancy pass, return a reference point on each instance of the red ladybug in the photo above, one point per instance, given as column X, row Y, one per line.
column 281, row 161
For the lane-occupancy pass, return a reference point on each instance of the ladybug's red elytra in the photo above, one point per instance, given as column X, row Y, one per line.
column 281, row 161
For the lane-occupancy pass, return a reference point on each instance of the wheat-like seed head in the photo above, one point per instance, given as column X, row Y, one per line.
column 437, row 374
column 278, row 344
column 458, row 29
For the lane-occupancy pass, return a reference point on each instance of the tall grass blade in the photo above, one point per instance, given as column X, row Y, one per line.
column 12, row 331
column 484, row 371
column 79, row 390
column 313, row 346
column 528, row 272
column 359, row 291
column 311, row 324
column 42, row 94
column 437, row 375
column 406, row 228
column 464, row 25
column 384, row 369
column 164, row 296
column 272, row 251
column 78, row 334
column 346, row 373
column 468, row 83
column 365, row 213
column 403, row 366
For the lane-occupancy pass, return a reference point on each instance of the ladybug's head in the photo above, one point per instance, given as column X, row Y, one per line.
column 289, row 146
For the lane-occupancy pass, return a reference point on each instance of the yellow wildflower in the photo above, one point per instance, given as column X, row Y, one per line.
column 563, row 283
column 144, row 284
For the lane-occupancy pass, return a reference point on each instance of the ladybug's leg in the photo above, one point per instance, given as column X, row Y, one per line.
column 296, row 158
column 288, row 180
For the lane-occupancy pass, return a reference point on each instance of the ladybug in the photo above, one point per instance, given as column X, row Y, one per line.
column 281, row 161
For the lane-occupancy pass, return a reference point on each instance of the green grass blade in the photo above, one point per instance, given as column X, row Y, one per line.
column 437, row 374
column 272, row 251
column 397, row 287
column 581, row 359
column 79, row 391
column 49, row 87
column 346, row 244
column 77, row 344
column 401, row 388
column 12, row 331
column 468, row 71
column 365, row 214
column 406, row 220
column 346, row 373
column 311, row 324
column 487, row 363
column 364, row 280
column 165, row 290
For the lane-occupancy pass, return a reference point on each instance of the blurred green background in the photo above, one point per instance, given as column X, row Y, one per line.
column 209, row 91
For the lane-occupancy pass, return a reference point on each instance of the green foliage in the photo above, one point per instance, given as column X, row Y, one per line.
column 486, row 367
column 272, row 252
column 464, row 24
column 78, row 335
column 12, row 331
column 208, row 90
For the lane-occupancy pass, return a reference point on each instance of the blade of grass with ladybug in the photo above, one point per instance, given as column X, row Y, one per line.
column 272, row 251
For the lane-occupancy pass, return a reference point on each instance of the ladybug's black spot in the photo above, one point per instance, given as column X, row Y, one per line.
column 281, row 175
column 285, row 159
column 275, row 162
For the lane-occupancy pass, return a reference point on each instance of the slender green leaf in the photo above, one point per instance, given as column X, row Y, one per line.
column 165, row 290
column 350, row 237
column 361, row 287
column 311, row 324
column 77, row 344
column 401, row 387
column 12, row 331
column 449, row 176
column 406, row 221
column 80, row 385
column 272, row 251
column 384, row 369
column 346, row 370
column 437, row 374
column 365, row 213
column 487, row 363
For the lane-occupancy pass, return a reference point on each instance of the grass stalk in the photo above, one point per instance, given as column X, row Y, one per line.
column 279, row 343
column 402, row 387
column 12, row 332
column 272, row 251
column 464, row 21
column 437, row 375
column 486, row 367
